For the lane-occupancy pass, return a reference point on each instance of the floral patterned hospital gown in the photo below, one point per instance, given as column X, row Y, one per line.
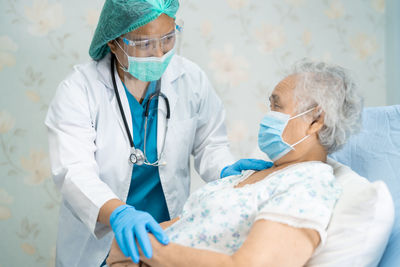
column 218, row 217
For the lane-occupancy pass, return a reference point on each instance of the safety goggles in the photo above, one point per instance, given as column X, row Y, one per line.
column 166, row 42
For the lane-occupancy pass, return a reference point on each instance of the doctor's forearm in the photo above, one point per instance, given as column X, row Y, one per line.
column 107, row 209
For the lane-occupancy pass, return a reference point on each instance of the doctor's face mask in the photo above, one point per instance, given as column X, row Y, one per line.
column 146, row 52
column 147, row 69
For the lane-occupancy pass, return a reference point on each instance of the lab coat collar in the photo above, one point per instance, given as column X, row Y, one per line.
column 171, row 74
column 103, row 71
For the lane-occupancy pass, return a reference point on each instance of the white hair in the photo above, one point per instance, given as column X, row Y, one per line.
column 330, row 88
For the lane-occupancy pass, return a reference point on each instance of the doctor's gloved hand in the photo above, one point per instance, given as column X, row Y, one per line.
column 245, row 164
column 131, row 225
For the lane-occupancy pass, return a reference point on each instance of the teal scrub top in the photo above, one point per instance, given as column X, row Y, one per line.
column 145, row 191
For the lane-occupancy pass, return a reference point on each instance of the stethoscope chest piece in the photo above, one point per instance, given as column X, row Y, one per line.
column 136, row 156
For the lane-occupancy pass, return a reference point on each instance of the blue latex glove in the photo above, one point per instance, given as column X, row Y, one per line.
column 131, row 225
column 245, row 164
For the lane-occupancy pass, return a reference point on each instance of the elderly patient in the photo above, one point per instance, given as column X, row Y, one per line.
column 278, row 216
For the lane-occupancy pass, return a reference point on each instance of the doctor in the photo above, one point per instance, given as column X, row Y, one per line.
column 121, row 131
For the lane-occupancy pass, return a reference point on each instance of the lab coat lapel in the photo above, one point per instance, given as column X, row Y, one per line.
column 162, row 123
column 105, row 77
column 168, row 83
column 125, row 106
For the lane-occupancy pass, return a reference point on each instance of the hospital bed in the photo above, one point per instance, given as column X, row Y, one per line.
column 375, row 154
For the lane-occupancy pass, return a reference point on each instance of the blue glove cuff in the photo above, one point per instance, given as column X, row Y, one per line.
column 221, row 175
column 118, row 211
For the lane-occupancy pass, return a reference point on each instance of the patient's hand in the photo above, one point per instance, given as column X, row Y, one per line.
column 117, row 259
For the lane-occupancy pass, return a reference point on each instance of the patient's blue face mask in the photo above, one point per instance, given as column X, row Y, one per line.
column 270, row 134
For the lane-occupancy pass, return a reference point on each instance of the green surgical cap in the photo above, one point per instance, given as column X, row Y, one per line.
column 122, row 16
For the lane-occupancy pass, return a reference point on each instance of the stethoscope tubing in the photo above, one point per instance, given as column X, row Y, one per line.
column 157, row 93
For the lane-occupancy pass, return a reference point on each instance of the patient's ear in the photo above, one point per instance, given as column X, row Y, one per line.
column 317, row 123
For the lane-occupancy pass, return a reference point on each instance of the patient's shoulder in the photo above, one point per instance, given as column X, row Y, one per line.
column 310, row 170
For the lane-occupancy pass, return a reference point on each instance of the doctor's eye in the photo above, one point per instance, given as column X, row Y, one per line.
column 144, row 44
column 169, row 38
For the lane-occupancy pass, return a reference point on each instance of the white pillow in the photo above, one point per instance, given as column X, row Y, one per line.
column 360, row 225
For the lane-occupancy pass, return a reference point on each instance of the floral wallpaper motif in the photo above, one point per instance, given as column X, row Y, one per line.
column 245, row 47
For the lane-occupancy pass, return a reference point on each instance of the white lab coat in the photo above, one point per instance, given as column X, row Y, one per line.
column 89, row 149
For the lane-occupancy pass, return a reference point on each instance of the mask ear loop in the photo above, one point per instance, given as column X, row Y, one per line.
column 303, row 113
column 301, row 140
column 120, row 64
column 305, row 137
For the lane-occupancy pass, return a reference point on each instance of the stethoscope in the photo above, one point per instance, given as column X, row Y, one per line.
column 137, row 156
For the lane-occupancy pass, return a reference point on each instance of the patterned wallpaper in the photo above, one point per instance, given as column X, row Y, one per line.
column 244, row 46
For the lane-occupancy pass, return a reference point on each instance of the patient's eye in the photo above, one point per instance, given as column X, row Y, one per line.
column 274, row 102
column 274, row 105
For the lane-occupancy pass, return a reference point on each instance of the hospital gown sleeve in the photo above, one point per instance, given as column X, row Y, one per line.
column 306, row 202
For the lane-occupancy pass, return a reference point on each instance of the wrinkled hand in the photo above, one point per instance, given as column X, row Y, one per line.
column 117, row 259
column 155, row 261
column 245, row 164
column 131, row 225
